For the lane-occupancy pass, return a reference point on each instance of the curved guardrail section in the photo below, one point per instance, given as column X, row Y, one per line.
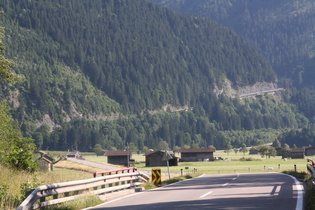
column 67, row 191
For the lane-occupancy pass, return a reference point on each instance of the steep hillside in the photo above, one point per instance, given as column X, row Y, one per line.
column 85, row 62
column 282, row 30
column 140, row 55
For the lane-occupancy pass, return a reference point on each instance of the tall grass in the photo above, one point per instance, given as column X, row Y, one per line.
column 79, row 203
column 14, row 183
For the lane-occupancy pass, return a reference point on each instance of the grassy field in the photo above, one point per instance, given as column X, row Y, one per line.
column 230, row 164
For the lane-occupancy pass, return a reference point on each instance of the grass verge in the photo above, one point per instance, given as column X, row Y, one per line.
column 309, row 197
column 79, row 203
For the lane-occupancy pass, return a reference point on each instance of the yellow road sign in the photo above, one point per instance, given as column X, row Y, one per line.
column 156, row 177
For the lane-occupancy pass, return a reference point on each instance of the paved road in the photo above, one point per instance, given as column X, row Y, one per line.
column 271, row 191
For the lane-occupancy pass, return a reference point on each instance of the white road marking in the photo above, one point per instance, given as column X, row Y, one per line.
column 225, row 184
column 208, row 193
column 299, row 202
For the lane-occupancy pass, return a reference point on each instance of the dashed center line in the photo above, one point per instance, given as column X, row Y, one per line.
column 208, row 193
column 225, row 184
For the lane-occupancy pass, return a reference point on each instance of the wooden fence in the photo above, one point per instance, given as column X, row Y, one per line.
column 57, row 193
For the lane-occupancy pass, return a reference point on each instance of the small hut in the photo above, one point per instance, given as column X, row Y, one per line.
column 160, row 157
column 74, row 154
column 310, row 151
column 297, row 153
column 45, row 162
column 118, row 157
column 194, row 155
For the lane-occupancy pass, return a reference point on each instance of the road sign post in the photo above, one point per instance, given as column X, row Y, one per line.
column 167, row 157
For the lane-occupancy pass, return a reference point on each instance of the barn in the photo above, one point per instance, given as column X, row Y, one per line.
column 310, row 151
column 159, row 158
column 118, row 157
column 194, row 155
column 74, row 154
column 297, row 153
column 45, row 162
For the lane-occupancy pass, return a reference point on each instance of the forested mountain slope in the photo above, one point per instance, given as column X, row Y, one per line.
column 139, row 55
column 85, row 62
column 282, row 30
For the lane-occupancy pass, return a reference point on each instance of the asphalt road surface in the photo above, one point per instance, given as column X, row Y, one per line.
column 229, row 192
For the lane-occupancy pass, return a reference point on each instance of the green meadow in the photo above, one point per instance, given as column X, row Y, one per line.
column 232, row 163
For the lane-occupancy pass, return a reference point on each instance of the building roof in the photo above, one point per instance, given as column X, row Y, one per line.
column 118, row 153
column 199, row 150
column 297, row 150
column 159, row 151
column 42, row 152
column 47, row 159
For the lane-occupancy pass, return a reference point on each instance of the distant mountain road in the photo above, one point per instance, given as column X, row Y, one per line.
column 261, row 92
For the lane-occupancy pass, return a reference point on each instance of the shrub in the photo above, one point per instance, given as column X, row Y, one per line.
column 309, row 198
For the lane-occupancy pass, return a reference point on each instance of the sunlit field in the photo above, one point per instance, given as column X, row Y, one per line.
column 230, row 164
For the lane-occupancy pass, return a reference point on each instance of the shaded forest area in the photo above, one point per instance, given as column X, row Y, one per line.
column 96, row 69
column 282, row 31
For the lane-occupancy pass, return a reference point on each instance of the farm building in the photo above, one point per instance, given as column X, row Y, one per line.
column 297, row 153
column 118, row 157
column 45, row 162
column 310, row 151
column 193, row 155
column 159, row 158
column 74, row 154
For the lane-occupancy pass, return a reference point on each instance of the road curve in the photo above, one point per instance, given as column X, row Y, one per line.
column 272, row 191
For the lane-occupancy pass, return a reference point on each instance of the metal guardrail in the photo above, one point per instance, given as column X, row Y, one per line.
column 71, row 190
column 116, row 171
column 311, row 169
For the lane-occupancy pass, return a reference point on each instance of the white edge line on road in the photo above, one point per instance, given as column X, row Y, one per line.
column 299, row 202
column 225, row 184
column 138, row 193
column 205, row 194
column 117, row 199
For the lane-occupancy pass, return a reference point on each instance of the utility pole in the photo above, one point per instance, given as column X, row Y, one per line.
column 127, row 155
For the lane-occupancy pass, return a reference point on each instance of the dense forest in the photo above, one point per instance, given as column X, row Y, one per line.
column 100, row 72
column 282, row 31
